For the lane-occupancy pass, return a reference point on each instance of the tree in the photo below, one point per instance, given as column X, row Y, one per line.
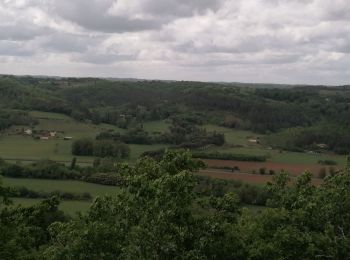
column 73, row 163
column 150, row 219
column 322, row 173
column 82, row 147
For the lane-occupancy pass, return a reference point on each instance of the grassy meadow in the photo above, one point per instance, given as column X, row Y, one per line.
column 61, row 185
column 70, row 207
column 15, row 147
column 18, row 147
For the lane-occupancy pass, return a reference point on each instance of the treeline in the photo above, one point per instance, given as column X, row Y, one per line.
column 324, row 136
column 104, row 171
column 248, row 194
column 100, row 148
column 127, row 103
column 44, row 169
column 229, row 156
column 12, row 117
column 24, row 192
column 160, row 216
column 182, row 134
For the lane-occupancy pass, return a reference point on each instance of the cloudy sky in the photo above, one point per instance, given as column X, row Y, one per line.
column 280, row 41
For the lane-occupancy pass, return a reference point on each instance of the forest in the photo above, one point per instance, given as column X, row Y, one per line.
column 158, row 215
column 314, row 114
column 173, row 170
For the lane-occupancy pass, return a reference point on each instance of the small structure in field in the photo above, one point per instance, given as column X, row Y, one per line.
column 44, row 138
column 67, row 138
column 28, row 131
column 53, row 134
column 323, row 146
column 254, row 141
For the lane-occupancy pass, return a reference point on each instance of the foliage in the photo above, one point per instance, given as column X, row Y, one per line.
column 100, row 148
column 23, row 192
column 23, row 231
column 44, row 169
column 229, row 156
column 153, row 218
column 9, row 118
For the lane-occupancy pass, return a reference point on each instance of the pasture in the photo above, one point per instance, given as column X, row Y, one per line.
column 69, row 207
column 26, row 149
column 61, row 185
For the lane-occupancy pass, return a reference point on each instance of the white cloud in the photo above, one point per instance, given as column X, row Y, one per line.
column 287, row 41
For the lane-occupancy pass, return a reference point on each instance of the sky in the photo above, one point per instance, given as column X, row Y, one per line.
column 276, row 41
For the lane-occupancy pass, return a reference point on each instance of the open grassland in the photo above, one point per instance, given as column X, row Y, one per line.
column 69, row 207
column 68, row 126
column 156, row 126
column 25, row 148
column 235, row 136
column 138, row 149
column 17, row 147
column 278, row 156
column 61, row 185
column 241, row 138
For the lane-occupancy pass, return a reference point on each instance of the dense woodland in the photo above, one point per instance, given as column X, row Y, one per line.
column 304, row 116
column 159, row 215
column 162, row 210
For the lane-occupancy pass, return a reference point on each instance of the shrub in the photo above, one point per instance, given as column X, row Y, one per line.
column 262, row 171
column 229, row 156
column 327, row 162
column 322, row 173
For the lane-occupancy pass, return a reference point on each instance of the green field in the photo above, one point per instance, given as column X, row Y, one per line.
column 70, row 207
column 25, row 148
column 235, row 136
column 61, row 185
column 156, row 126
column 240, row 138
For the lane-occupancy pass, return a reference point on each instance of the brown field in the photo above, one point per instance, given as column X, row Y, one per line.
column 244, row 177
column 248, row 167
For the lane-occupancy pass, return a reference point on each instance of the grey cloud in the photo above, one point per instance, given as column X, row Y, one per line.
column 21, row 32
column 181, row 8
column 10, row 48
column 64, row 42
column 180, row 37
column 103, row 59
column 93, row 15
